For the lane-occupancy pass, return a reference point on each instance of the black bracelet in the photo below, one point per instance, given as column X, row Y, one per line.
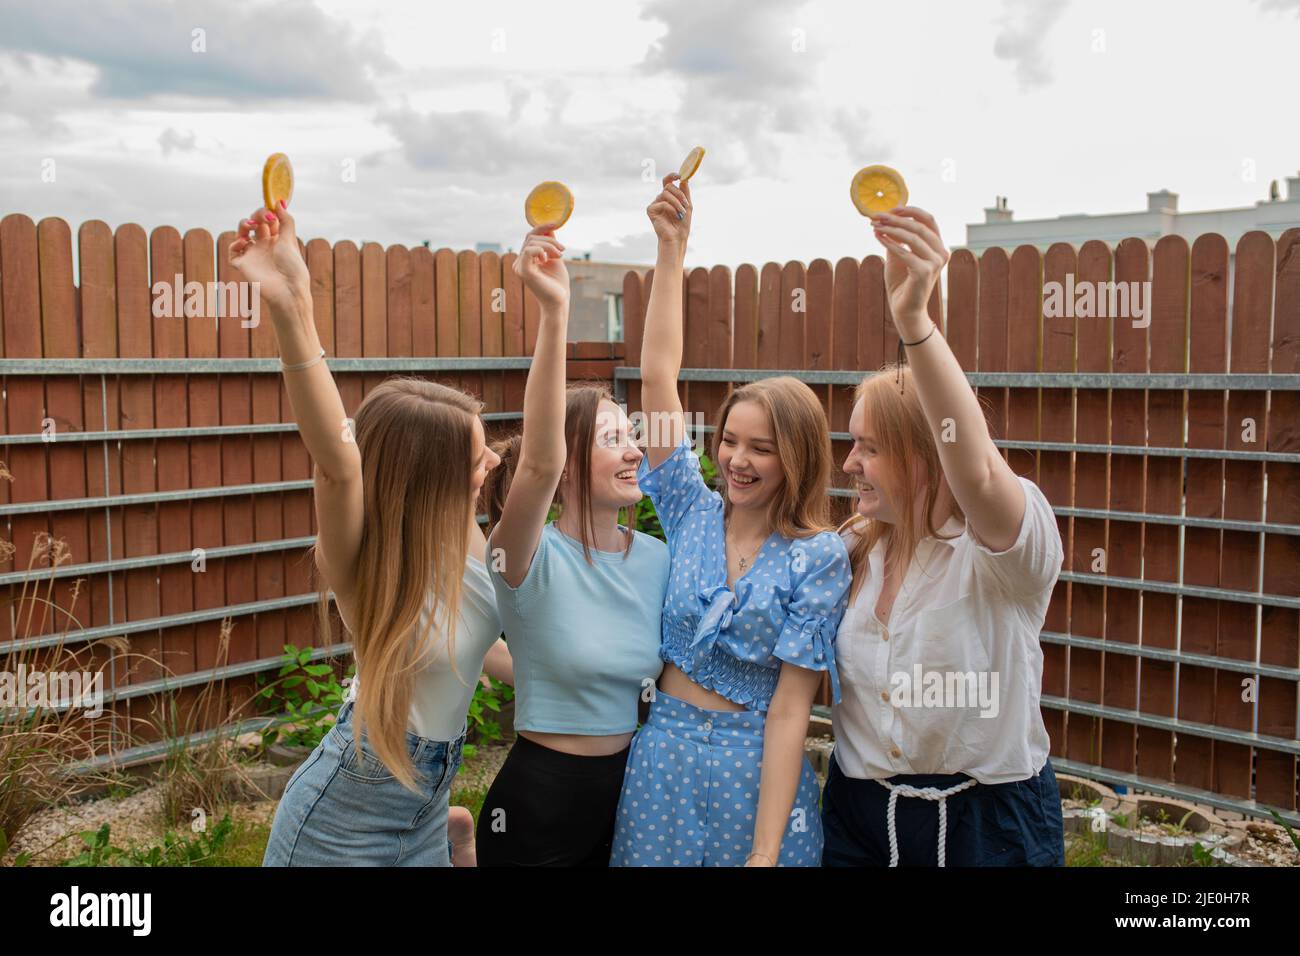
column 933, row 328
column 902, row 359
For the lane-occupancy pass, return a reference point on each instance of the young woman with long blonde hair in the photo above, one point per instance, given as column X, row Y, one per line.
column 398, row 544
column 717, row 775
column 941, row 755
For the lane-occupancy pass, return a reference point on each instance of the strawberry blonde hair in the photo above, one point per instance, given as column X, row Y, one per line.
column 803, row 446
column 893, row 414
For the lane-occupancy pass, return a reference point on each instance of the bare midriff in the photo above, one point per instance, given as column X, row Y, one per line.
column 673, row 681
column 580, row 745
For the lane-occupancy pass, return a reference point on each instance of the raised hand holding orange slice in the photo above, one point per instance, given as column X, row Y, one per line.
column 877, row 189
column 690, row 164
column 549, row 205
column 277, row 181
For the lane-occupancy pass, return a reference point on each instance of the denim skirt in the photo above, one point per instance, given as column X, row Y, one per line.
column 343, row 807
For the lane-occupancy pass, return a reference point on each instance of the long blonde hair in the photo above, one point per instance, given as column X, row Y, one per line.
column 803, row 446
column 416, row 440
column 897, row 421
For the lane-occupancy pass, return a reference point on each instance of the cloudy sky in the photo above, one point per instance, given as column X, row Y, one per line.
column 412, row 121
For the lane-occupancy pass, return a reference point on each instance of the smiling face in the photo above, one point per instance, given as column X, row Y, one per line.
column 747, row 458
column 868, row 470
column 614, row 460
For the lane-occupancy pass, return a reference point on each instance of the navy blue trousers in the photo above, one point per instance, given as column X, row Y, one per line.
column 1005, row 824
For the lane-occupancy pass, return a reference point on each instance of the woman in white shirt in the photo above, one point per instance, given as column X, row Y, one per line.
column 941, row 755
column 397, row 543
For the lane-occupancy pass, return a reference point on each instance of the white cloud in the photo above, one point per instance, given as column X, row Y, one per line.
column 1024, row 28
column 750, row 74
column 200, row 48
column 169, row 139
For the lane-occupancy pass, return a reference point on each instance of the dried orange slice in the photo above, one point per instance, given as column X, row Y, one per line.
column 690, row 164
column 549, row 204
column 277, row 181
column 877, row 189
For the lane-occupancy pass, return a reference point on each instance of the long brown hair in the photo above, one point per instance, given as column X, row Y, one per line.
column 803, row 446
column 416, row 440
column 897, row 422
column 496, row 487
column 581, row 403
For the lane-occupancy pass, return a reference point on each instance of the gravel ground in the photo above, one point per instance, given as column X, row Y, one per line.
column 478, row 772
column 133, row 820
column 137, row 818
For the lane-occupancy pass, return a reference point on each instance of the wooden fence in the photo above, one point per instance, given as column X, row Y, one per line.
column 1179, row 506
column 1172, row 642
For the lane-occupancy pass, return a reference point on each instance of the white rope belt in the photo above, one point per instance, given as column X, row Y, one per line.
column 897, row 790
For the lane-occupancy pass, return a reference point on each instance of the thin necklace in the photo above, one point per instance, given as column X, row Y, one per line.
column 744, row 562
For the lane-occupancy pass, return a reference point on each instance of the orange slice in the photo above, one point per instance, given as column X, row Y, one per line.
column 877, row 189
column 690, row 164
column 549, row 204
column 277, row 181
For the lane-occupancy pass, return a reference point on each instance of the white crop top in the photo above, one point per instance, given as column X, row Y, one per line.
column 441, row 698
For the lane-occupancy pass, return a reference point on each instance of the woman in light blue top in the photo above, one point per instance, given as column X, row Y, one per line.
column 717, row 776
column 580, row 602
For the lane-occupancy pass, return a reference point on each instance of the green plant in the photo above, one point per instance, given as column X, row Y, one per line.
column 175, row 850
column 487, row 700
column 1295, row 840
column 1173, row 829
column 1088, row 849
column 311, row 695
column 22, row 859
column 1202, row 857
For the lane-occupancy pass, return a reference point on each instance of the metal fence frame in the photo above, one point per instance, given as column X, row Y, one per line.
column 622, row 375
column 1107, row 380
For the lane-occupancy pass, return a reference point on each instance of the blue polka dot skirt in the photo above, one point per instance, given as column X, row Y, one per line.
column 690, row 792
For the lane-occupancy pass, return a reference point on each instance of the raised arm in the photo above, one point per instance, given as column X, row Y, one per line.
column 983, row 483
column 661, row 345
column 266, row 252
column 542, row 455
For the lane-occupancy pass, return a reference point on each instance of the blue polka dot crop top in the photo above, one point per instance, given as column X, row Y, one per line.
column 786, row 607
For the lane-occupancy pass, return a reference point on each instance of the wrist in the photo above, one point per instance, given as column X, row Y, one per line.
column 912, row 327
column 293, row 301
column 672, row 250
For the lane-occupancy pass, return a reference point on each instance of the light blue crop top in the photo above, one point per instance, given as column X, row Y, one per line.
column 786, row 607
column 584, row 638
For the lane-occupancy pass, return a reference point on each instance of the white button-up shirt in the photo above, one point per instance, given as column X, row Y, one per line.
column 951, row 683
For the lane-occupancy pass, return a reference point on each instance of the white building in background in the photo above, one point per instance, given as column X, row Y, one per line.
column 1161, row 218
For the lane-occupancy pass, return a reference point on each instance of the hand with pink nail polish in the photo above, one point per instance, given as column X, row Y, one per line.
column 266, row 252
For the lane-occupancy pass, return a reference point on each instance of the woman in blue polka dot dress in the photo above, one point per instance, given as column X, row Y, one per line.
column 717, row 775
